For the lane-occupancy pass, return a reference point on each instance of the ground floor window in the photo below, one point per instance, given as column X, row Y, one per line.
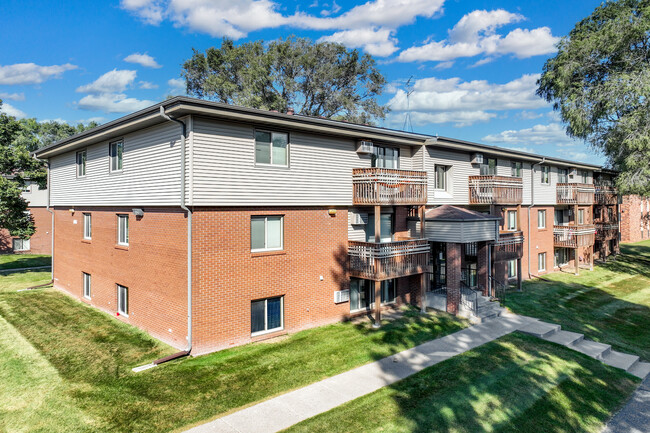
column 362, row 293
column 439, row 265
column 123, row 300
column 541, row 262
column 21, row 244
column 267, row 315
column 86, row 278
column 562, row 257
column 469, row 275
column 512, row 268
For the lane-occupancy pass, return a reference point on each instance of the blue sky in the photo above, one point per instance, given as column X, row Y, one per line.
column 473, row 63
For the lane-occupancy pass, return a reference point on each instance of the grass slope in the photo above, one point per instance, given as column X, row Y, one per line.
column 515, row 384
column 12, row 281
column 15, row 261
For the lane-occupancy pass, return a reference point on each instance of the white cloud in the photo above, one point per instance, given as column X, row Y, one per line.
column 31, row 73
column 98, row 119
column 328, row 12
column 12, row 96
column 529, row 115
column 522, row 149
column 147, row 85
column 177, row 85
column 475, row 34
column 112, row 103
column 143, row 60
column 376, row 42
column 111, row 82
column 12, row 111
column 553, row 133
column 458, row 118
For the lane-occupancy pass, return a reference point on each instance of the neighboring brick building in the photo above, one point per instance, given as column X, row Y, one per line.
column 635, row 218
column 41, row 240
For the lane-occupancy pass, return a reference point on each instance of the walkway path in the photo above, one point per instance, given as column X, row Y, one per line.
column 288, row 409
column 635, row 415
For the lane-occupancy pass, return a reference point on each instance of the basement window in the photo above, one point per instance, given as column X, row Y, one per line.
column 86, row 280
column 267, row 315
column 123, row 300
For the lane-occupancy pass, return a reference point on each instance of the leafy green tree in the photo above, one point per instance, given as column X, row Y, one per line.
column 600, row 83
column 323, row 79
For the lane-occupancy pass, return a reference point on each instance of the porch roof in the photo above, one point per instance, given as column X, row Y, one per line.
column 452, row 213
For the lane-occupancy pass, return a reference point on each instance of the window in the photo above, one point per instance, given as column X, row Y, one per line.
column 511, row 220
column 266, row 233
column 584, row 175
column 386, row 157
column 27, row 187
column 386, row 225
column 122, row 229
column 87, row 226
column 267, row 315
column 562, row 175
column 512, row 269
column 541, row 262
column 81, row 163
column 441, row 177
column 20, row 244
column 546, row 178
column 516, row 169
column 489, row 167
column 86, row 278
column 559, row 217
column 271, row 148
column 123, row 300
column 610, row 214
column 116, row 151
column 541, row 219
column 561, row 257
column 362, row 293
column 581, row 216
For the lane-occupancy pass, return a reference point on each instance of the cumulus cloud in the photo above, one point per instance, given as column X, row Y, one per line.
column 376, row 42
column 12, row 96
column 143, row 60
column 12, row 111
column 177, row 85
column 31, row 73
column 147, row 85
column 553, row 133
column 475, row 34
column 111, row 82
column 112, row 103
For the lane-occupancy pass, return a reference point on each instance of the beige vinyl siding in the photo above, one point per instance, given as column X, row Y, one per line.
column 545, row 194
column 150, row 175
column 357, row 232
column 457, row 176
column 36, row 197
column 451, row 231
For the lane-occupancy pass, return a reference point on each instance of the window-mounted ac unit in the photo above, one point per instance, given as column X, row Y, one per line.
column 572, row 172
column 341, row 296
column 477, row 158
column 365, row 147
column 357, row 218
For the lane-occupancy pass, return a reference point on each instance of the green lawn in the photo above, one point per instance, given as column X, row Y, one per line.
column 13, row 281
column 15, row 261
column 610, row 304
column 67, row 367
column 515, row 384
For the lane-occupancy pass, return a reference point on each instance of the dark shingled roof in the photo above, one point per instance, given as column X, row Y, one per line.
column 453, row 213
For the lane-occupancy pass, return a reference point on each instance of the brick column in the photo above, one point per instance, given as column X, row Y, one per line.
column 453, row 277
column 483, row 264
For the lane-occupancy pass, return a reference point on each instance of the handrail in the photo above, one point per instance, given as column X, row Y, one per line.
column 376, row 185
column 495, row 189
column 499, row 290
column 378, row 261
column 575, row 193
column 574, row 236
column 468, row 297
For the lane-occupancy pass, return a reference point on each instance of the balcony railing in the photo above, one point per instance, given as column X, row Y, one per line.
column 606, row 195
column 575, row 193
column 606, row 231
column 495, row 190
column 388, row 186
column 510, row 246
column 574, row 236
column 382, row 261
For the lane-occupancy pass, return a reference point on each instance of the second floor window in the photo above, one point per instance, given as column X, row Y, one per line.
column 584, row 176
column 489, row 167
column 271, row 148
column 386, row 157
column 562, row 175
column 511, row 220
column 516, row 169
column 81, row 163
column 541, row 219
column 266, row 233
column 581, row 216
column 546, row 174
column 441, row 177
column 87, row 226
column 123, row 230
column 116, row 151
column 610, row 214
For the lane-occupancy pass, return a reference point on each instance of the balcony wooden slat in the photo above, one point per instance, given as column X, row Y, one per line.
column 574, row 236
column 495, row 190
column 382, row 261
column 575, row 193
column 606, row 231
column 388, row 186
column 606, row 195
column 510, row 246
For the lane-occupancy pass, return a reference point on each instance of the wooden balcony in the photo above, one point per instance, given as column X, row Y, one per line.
column 387, row 186
column 383, row 261
column 495, row 190
column 575, row 193
column 574, row 236
column 510, row 246
column 606, row 231
column 606, row 195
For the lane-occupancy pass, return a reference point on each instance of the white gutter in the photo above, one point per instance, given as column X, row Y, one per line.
column 532, row 203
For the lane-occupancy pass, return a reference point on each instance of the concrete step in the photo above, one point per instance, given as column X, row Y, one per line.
column 541, row 329
column 620, row 360
column 482, row 318
column 640, row 369
column 565, row 338
column 593, row 349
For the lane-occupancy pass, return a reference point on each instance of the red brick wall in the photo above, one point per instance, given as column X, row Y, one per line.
column 40, row 242
column 153, row 266
column 632, row 217
column 541, row 241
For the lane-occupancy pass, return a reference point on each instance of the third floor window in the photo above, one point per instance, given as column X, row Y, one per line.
column 116, row 151
column 489, row 167
column 385, row 157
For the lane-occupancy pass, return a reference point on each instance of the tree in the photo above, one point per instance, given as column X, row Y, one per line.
column 600, row 82
column 322, row 79
column 17, row 139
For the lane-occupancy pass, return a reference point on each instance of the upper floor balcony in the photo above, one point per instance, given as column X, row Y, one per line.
column 387, row 260
column 606, row 231
column 510, row 246
column 388, row 186
column 575, row 193
column 606, row 194
column 574, row 236
column 495, row 190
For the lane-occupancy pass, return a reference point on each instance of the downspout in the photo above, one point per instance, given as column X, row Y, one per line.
column 51, row 222
column 532, row 203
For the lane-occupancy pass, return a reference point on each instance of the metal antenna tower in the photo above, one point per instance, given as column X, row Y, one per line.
column 407, row 117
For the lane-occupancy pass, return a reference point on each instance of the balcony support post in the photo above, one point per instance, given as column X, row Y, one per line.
column 423, row 276
column 377, row 323
column 577, row 250
column 483, row 265
column 519, row 275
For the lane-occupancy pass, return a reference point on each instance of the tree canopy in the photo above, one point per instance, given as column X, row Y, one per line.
column 322, row 79
column 600, row 83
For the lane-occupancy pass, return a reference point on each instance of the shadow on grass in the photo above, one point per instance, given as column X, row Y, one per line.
column 18, row 261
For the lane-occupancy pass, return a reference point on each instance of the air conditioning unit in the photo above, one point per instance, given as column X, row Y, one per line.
column 365, row 147
column 357, row 218
column 341, row 296
column 572, row 172
column 477, row 158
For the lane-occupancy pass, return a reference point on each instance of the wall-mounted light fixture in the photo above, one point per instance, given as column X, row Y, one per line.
column 138, row 212
column 332, row 212
column 71, row 210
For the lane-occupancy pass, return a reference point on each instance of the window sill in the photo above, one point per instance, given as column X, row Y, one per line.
column 272, row 166
column 267, row 333
column 115, row 172
column 122, row 247
column 87, row 241
column 268, row 253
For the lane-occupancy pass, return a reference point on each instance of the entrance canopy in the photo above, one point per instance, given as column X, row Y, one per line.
column 457, row 225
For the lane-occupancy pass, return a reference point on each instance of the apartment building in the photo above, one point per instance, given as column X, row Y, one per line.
column 41, row 240
column 210, row 225
column 635, row 218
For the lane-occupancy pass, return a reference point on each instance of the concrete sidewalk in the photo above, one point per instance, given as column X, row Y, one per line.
column 635, row 415
column 288, row 409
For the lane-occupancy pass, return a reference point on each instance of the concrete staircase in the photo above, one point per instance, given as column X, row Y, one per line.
column 486, row 310
column 602, row 352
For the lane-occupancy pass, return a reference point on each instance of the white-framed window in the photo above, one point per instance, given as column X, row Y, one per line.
column 385, row 157
column 81, row 163
column 19, row 244
column 441, row 177
column 122, row 300
column 86, row 281
column 88, row 233
column 116, row 153
column 267, row 315
column 584, row 175
column 122, row 229
column 515, row 169
column 488, row 167
column 267, row 233
column 27, row 187
column 512, row 268
column 581, row 216
column 511, row 220
column 271, row 148
column 541, row 262
column 562, row 175
column 362, row 293
column 541, row 219
column 546, row 174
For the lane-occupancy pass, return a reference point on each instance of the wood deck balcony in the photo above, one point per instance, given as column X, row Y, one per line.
column 388, row 186
column 510, row 246
column 606, row 231
column 575, row 193
column 606, row 195
column 383, row 261
column 495, row 190
column 574, row 236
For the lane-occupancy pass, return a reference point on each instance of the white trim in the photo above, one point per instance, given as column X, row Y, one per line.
column 119, row 231
column 84, row 275
column 266, row 316
column 123, row 313
column 266, row 233
column 90, row 225
column 541, row 211
column 271, row 164
column 110, row 156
